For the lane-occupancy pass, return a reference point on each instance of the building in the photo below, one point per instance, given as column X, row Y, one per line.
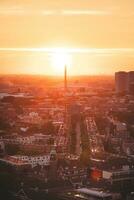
column 124, row 82
column 131, row 82
column 11, row 162
column 113, row 171
column 121, row 82
column 33, row 160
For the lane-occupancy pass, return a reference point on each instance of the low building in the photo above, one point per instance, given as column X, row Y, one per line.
column 33, row 160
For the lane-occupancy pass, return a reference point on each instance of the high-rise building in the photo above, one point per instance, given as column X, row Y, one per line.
column 121, row 82
column 131, row 82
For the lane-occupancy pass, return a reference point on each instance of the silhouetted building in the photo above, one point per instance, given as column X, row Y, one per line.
column 121, row 82
column 124, row 82
column 131, row 82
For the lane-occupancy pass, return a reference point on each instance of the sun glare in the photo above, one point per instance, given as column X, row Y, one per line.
column 59, row 60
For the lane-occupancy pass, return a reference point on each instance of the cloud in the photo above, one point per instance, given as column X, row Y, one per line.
column 22, row 10
column 106, row 51
column 47, row 12
column 86, row 12
column 12, row 10
column 29, row 11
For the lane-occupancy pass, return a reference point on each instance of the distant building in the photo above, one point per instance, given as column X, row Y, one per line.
column 115, row 171
column 42, row 160
column 124, row 82
column 121, row 82
column 131, row 82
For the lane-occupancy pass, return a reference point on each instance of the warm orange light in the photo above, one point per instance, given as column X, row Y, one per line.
column 60, row 58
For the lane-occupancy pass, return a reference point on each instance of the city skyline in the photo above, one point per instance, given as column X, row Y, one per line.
column 97, row 35
column 67, row 99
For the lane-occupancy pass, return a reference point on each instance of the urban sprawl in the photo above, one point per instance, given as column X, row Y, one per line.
column 67, row 143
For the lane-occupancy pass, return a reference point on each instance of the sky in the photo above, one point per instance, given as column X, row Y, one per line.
column 98, row 36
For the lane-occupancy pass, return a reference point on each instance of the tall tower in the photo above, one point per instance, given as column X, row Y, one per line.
column 65, row 79
column 65, row 99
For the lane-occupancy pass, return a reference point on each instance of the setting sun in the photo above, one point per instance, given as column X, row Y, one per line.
column 59, row 60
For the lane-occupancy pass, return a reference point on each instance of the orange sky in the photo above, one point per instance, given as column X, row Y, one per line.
column 98, row 34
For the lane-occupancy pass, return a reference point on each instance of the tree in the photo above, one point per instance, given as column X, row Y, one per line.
column 4, row 125
column 12, row 149
column 84, row 157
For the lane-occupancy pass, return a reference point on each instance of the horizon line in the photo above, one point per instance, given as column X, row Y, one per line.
column 68, row 50
column 51, row 75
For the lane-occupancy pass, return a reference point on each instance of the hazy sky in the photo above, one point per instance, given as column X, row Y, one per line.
column 98, row 35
